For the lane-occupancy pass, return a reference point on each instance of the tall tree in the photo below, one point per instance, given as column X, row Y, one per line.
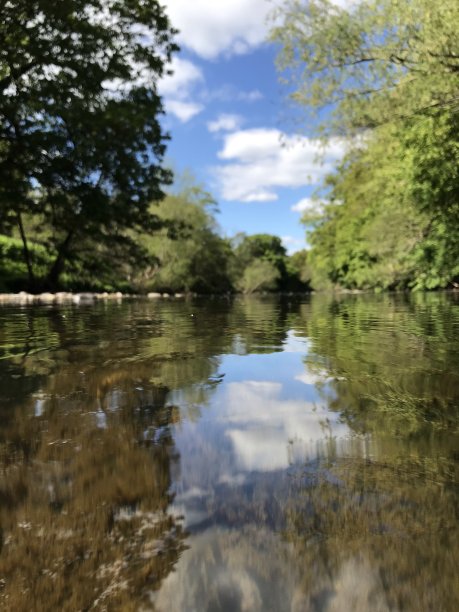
column 370, row 61
column 388, row 72
column 261, row 263
column 249, row 251
column 190, row 253
column 80, row 141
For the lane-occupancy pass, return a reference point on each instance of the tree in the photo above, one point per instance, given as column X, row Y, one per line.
column 372, row 62
column 388, row 72
column 392, row 220
column 259, row 275
column 248, row 249
column 190, row 254
column 432, row 146
column 259, row 245
column 299, row 270
column 80, row 141
column 261, row 263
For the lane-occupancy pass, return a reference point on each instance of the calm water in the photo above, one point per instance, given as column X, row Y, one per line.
column 260, row 454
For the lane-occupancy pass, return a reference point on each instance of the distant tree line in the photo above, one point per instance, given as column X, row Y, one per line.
column 186, row 253
column 191, row 255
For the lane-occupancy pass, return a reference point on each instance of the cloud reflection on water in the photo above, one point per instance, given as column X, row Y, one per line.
column 254, row 569
column 254, row 431
column 270, row 433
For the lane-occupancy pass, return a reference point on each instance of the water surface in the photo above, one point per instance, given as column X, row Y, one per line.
column 254, row 454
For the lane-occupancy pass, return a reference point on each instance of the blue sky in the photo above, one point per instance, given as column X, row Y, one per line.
column 226, row 115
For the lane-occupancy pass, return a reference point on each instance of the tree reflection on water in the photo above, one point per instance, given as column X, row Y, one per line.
column 117, row 419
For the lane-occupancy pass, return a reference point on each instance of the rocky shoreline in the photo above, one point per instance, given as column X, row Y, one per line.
column 62, row 297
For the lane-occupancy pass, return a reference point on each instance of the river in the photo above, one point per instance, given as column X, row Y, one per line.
column 252, row 454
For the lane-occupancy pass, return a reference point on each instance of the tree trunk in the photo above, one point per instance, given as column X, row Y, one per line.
column 56, row 269
column 26, row 252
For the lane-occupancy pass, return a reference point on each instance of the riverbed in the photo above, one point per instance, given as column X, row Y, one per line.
column 274, row 453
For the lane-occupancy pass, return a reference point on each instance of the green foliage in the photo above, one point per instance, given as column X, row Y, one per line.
column 259, row 275
column 96, row 268
column 298, row 271
column 392, row 221
column 258, row 245
column 187, row 254
column 433, row 145
column 368, row 229
column 81, row 144
column 372, row 62
column 389, row 71
column 261, row 263
column 13, row 270
column 190, row 255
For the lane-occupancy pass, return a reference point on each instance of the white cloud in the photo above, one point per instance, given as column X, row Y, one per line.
column 306, row 204
column 312, row 205
column 231, row 27
column 211, row 27
column 185, row 94
column 229, row 93
column 345, row 4
column 236, row 563
column 225, row 123
column 184, row 111
column 178, row 89
column 261, row 196
column 185, row 75
column 263, row 160
column 250, row 96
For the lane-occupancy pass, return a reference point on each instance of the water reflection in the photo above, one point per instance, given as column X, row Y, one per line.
column 270, row 433
column 248, row 455
column 255, row 569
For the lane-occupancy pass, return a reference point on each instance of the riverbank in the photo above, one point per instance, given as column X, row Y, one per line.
column 77, row 298
column 67, row 297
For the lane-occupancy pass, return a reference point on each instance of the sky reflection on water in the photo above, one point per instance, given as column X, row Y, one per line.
column 253, row 455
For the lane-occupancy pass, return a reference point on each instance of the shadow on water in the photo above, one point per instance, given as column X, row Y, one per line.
column 260, row 454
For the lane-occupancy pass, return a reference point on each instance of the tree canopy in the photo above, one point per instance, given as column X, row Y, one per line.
column 81, row 144
column 372, row 61
column 385, row 75
column 189, row 253
column 261, row 263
